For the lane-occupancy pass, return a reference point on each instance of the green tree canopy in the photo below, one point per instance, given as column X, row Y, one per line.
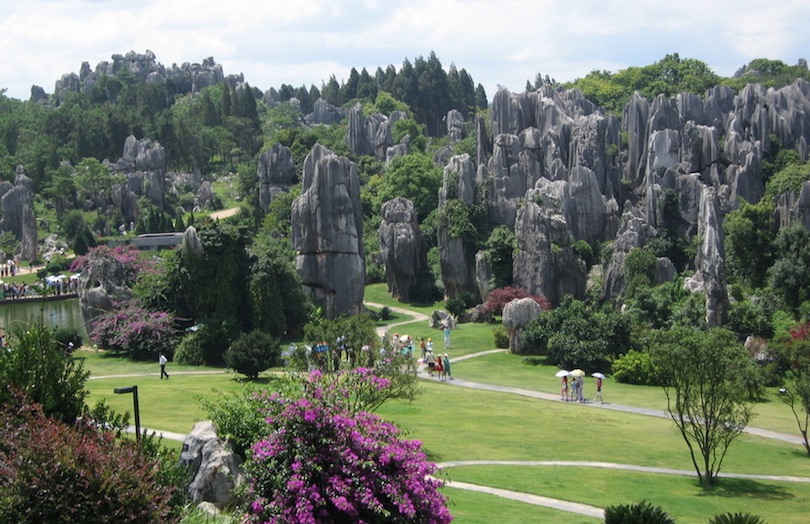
column 414, row 177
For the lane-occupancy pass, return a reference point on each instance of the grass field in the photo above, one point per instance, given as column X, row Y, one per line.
column 459, row 424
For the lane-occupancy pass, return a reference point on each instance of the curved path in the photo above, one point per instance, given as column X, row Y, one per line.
column 562, row 505
column 415, row 316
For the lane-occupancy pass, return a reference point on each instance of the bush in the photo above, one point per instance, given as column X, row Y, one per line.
column 635, row 367
column 139, row 333
column 252, row 353
column 36, row 365
column 641, row 513
column 455, row 306
column 736, row 518
column 57, row 472
column 498, row 298
column 385, row 313
column 501, row 337
column 321, row 462
column 190, row 350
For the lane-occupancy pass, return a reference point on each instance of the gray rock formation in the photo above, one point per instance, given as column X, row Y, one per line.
column 103, row 283
column 143, row 162
column 544, row 263
column 401, row 247
column 371, row 135
column 516, row 315
column 634, row 232
column 17, row 207
column 215, row 470
column 187, row 78
column 456, row 129
column 327, row 233
column 458, row 272
column 324, row 113
column 710, row 259
column 276, row 173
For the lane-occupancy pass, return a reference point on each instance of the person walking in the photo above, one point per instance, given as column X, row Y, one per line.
column 430, row 360
column 446, row 366
column 162, row 360
column 564, row 388
column 599, row 389
column 579, row 385
column 446, row 336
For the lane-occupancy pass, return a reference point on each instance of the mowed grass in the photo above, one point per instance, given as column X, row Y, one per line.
column 457, row 424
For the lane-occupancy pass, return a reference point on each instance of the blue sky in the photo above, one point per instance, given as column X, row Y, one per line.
column 303, row 42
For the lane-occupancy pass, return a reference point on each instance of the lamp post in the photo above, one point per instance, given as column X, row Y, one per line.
column 134, row 391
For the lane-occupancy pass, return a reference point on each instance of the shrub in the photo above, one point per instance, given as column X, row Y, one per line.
column 456, row 306
column 577, row 335
column 135, row 331
column 237, row 417
column 190, row 350
column 323, row 463
column 641, row 513
column 57, row 472
column 385, row 313
column 501, row 337
column 498, row 298
column 252, row 353
column 635, row 367
column 36, row 365
column 736, row 518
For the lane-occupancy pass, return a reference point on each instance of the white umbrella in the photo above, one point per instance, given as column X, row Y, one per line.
column 577, row 373
column 597, row 375
column 562, row 373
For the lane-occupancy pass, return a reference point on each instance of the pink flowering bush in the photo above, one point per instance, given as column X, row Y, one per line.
column 125, row 257
column 135, row 331
column 323, row 463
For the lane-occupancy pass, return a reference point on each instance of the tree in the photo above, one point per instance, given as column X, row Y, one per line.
column 414, row 177
column 749, row 241
column 796, row 390
column 35, row 364
column 576, row 335
column 790, row 274
column 703, row 375
column 93, row 179
column 499, row 251
column 278, row 302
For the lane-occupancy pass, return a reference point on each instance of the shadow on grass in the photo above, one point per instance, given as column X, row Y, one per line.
column 746, row 488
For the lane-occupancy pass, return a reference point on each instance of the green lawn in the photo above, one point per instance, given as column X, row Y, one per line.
column 463, row 424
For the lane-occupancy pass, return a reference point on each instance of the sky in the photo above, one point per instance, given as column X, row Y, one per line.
column 501, row 43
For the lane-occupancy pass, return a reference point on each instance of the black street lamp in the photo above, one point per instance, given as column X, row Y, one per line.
column 134, row 391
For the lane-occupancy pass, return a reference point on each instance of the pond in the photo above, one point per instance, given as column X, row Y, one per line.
column 54, row 313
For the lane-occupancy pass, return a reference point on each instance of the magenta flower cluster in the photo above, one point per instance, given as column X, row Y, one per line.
column 324, row 463
column 126, row 257
column 136, row 331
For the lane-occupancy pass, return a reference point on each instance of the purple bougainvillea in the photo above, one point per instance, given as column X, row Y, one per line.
column 323, row 463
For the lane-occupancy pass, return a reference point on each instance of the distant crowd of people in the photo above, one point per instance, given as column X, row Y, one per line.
column 54, row 286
